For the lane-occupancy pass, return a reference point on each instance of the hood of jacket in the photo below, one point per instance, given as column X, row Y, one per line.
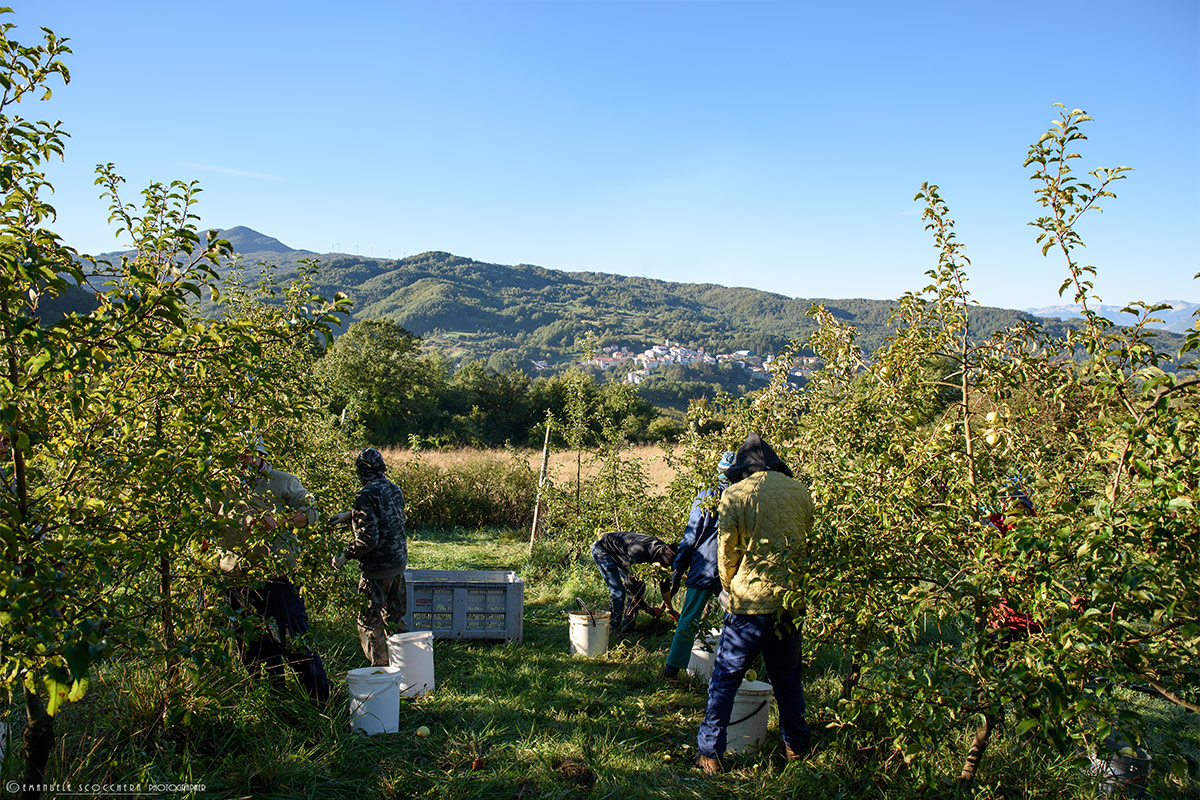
column 755, row 455
column 369, row 465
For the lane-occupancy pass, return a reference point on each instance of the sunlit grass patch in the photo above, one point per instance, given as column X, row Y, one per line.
column 516, row 719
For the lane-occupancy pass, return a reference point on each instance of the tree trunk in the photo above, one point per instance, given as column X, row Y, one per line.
column 578, row 477
column 860, row 646
column 39, row 741
column 615, row 487
column 851, row 679
column 168, row 618
column 164, row 573
column 968, row 438
column 975, row 755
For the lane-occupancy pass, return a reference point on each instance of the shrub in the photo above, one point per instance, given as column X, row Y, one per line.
column 492, row 489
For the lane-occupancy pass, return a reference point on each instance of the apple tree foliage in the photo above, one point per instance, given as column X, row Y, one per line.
column 126, row 423
column 912, row 449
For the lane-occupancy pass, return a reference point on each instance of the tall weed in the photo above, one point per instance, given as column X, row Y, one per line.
column 616, row 493
column 495, row 489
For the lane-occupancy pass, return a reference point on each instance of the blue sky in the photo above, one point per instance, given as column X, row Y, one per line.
column 773, row 144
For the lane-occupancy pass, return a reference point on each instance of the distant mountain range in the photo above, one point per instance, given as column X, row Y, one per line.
column 1178, row 318
column 513, row 315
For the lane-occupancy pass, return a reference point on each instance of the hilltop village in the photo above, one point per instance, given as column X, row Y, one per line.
column 640, row 365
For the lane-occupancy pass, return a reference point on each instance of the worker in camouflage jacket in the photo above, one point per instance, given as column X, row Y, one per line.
column 381, row 547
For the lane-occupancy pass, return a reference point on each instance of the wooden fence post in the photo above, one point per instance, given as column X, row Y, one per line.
column 537, row 508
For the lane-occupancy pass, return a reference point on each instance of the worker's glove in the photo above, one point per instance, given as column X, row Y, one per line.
column 676, row 579
column 341, row 519
column 339, row 561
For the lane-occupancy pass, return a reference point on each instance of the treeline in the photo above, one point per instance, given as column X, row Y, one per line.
column 376, row 377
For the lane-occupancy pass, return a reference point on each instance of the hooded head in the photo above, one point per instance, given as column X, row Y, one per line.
column 369, row 465
column 663, row 553
column 1018, row 501
column 722, row 467
column 254, row 456
column 755, row 455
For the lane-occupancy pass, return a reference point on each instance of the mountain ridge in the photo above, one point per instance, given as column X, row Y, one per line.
column 1179, row 318
column 247, row 240
column 513, row 315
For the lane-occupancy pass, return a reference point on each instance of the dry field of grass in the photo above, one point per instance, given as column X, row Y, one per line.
column 561, row 467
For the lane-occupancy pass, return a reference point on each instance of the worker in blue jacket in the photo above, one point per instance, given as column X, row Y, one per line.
column 697, row 557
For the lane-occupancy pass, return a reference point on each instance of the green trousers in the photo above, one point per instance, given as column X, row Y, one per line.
column 694, row 604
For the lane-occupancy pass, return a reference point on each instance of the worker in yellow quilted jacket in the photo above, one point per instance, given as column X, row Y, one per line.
column 764, row 516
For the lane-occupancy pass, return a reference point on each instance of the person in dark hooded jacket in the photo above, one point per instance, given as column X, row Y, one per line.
column 381, row 547
column 615, row 554
column 697, row 556
column 764, row 515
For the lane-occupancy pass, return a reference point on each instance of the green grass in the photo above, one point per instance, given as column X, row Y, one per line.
column 508, row 720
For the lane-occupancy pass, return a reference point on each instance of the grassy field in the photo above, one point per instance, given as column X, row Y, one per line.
column 519, row 720
column 561, row 467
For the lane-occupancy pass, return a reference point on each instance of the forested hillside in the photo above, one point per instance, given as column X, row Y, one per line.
column 509, row 315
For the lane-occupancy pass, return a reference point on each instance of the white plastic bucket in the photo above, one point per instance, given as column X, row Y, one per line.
column 374, row 699
column 704, row 653
column 412, row 654
column 589, row 633
column 1120, row 773
column 748, row 720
